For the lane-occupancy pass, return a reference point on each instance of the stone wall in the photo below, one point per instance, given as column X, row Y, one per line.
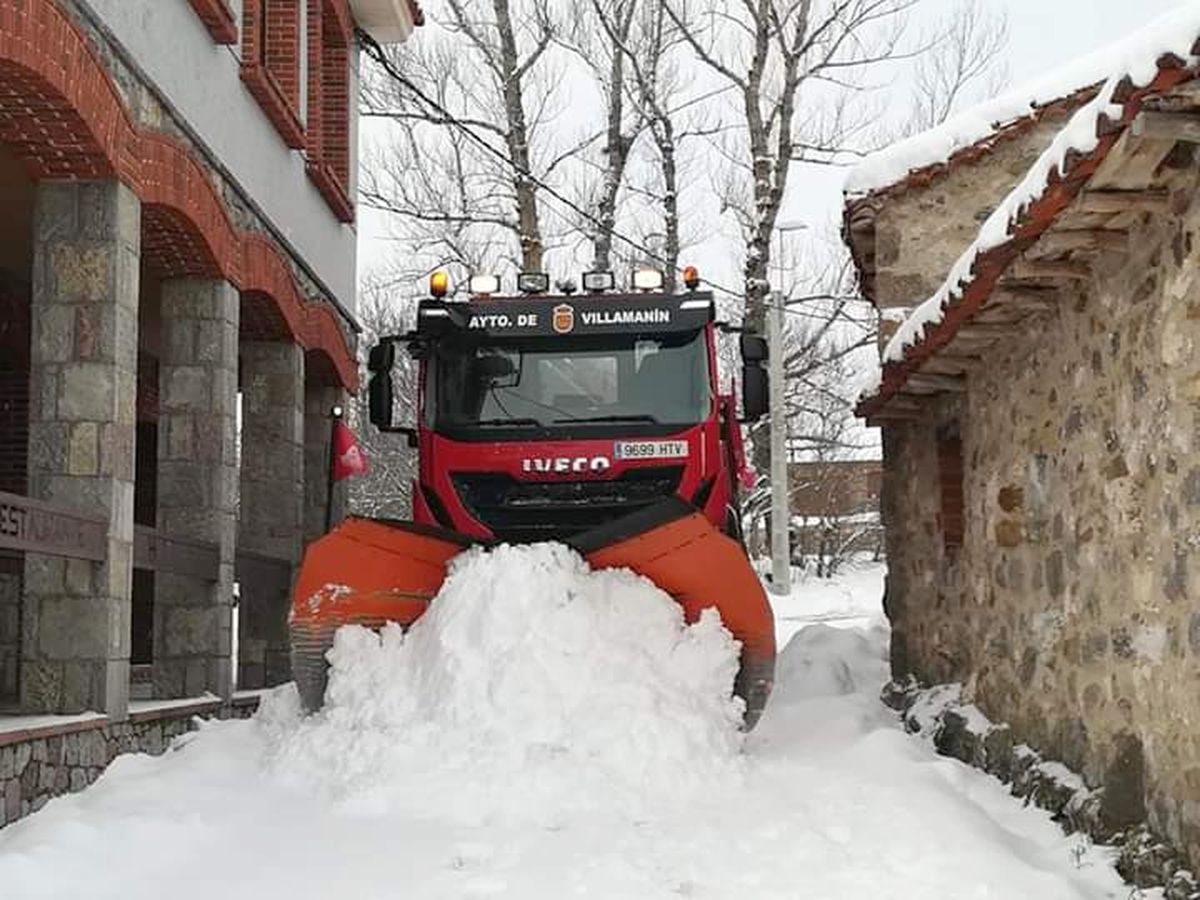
column 1072, row 608
column 920, row 233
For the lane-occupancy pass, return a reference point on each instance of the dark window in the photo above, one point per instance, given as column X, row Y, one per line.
column 564, row 386
column 950, row 477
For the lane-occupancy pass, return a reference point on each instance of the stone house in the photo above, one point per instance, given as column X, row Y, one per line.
column 176, row 240
column 1039, row 399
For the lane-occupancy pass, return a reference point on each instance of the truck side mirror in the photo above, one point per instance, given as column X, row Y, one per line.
column 754, row 348
column 382, row 357
column 754, row 391
column 380, row 399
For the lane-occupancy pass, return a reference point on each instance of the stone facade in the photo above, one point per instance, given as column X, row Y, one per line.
column 197, row 482
column 75, row 649
column 145, row 267
column 1044, row 528
column 271, row 513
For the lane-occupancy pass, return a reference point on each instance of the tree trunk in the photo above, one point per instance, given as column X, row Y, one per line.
column 517, row 137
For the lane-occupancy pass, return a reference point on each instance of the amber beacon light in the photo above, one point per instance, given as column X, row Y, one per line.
column 439, row 284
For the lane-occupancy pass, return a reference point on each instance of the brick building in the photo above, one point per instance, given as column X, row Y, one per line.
column 1039, row 293
column 835, row 507
column 176, row 240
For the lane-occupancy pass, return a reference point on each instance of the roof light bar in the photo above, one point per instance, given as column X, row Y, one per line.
column 598, row 282
column 533, row 282
column 484, row 284
column 647, row 279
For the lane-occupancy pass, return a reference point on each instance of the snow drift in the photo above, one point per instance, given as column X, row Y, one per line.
column 531, row 688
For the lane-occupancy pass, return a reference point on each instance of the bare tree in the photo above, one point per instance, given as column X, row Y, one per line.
column 463, row 173
column 601, row 38
column 964, row 61
column 386, row 490
column 770, row 51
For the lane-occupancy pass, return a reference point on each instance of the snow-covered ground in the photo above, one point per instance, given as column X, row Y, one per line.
column 547, row 732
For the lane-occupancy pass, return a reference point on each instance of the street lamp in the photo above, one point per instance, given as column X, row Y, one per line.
column 781, row 555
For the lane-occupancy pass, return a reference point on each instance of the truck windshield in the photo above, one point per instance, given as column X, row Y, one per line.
column 565, row 384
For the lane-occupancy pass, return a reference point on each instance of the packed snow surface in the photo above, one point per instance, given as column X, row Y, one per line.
column 548, row 732
column 1135, row 56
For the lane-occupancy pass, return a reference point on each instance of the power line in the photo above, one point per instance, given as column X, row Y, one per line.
column 376, row 52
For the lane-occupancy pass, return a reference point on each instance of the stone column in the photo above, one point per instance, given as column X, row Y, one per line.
column 319, row 401
column 271, row 516
column 197, row 483
column 75, row 622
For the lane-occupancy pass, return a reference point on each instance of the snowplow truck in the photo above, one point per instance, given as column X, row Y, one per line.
column 594, row 419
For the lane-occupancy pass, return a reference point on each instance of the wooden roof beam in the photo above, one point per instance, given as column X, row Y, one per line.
column 1057, row 242
column 1167, row 126
column 930, row 383
column 1039, row 270
column 1122, row 201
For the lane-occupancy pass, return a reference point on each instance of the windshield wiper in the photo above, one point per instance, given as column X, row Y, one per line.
column 631, row 417
column 501, row 422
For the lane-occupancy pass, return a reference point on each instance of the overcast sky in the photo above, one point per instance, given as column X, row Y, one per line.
column 1044, row 34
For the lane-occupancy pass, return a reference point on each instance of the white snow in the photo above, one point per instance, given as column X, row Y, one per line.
column 1135, row 56
column 549, row 732
column 890, row 165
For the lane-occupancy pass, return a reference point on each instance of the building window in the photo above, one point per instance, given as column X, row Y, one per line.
column 950, row 479
column 329, row 89
column 271, row 63
column 218, row 19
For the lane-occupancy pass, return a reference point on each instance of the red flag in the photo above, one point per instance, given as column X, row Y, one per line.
column 348, row 458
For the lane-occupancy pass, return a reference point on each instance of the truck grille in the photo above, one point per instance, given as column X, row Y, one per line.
column 524, row 511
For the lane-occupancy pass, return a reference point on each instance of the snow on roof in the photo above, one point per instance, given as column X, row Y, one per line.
column 1136, row 58
column 888, row 166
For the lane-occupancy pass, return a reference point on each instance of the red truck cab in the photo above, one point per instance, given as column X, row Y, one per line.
column 540, row 417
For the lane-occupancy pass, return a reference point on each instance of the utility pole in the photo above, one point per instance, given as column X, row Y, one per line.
column 781, row 556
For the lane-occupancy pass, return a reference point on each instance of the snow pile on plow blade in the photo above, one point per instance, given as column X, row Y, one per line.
column 370, row 572
column 532, row 688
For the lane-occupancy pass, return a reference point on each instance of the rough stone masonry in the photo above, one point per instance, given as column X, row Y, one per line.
column 1068, row 604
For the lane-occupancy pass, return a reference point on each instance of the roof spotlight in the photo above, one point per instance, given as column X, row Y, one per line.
column 597, row 282
column 533, row 282
column 647, row 279
column 484, row 284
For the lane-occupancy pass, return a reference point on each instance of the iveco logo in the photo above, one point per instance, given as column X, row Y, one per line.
column 562, row 465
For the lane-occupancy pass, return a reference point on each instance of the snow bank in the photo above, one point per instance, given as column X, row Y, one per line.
column 890, row 165
column 532, row 687
column 1136, row 56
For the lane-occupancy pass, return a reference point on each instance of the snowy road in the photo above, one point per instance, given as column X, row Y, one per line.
column 556, row 772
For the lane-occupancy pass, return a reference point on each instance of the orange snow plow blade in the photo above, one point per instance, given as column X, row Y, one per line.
column 364, row 572
column 368, row 572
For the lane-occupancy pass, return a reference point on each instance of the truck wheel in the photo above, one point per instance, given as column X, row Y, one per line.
column 310, row 669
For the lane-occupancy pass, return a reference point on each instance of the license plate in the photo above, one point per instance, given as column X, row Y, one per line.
column 650, row 449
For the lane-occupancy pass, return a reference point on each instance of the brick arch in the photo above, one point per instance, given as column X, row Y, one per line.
column 185, row 228
column 265, row 274
column 62, row 115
